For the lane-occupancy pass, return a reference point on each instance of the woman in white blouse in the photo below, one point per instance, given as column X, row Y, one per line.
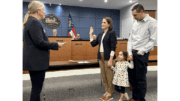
column 107, row 45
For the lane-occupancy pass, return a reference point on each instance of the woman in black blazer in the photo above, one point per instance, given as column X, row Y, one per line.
column 106, row 55
column 36, row 48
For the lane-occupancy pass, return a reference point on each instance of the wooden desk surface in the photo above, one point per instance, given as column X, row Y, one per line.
column 58, row 65
column 69, row 63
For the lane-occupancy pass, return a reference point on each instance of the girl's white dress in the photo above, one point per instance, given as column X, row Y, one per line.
column 121, row 74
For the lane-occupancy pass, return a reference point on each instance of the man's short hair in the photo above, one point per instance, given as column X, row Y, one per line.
column 138, row 8
column 54, row 29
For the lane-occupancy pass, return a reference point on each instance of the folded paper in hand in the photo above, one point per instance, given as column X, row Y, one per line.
column 63, row 42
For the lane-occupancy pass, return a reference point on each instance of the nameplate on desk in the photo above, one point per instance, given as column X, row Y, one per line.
column 78, row 44
column 122, row 43
column 59, row 40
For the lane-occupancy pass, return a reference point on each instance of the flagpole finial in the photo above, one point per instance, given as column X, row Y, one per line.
column 70, row 12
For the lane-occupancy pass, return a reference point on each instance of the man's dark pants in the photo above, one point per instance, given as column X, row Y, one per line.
column 137, row 76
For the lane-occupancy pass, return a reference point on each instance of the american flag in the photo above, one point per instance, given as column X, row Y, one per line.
column 71, row 29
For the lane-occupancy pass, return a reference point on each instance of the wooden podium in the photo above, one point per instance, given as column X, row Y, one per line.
column 62, row 54
column 82, row 50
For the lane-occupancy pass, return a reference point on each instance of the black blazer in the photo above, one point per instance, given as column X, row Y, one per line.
column 109, row 44
column 36, row 46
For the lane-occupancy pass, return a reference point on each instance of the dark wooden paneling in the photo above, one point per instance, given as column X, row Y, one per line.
column 78, row 48
column 121, row 45
column 78, row 57
column 82, row 50
column 151, row 13
column 152, row 64
column 64, row 53
column 153, row 54
column 91, row 50
column 92, row 57
column 25, row 72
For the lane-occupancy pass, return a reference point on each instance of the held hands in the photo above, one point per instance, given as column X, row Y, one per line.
column 130, row 57
column 110, row 63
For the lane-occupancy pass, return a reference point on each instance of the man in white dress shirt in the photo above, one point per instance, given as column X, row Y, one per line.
column 142, row 39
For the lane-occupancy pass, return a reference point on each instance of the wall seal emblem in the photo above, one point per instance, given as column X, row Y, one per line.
column 51, row 21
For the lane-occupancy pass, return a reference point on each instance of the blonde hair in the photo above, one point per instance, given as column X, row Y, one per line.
column 33, row 6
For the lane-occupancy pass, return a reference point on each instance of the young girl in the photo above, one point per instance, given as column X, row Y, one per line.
column 121, row 74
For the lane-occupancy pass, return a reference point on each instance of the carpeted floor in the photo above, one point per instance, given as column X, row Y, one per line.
column 83, row 88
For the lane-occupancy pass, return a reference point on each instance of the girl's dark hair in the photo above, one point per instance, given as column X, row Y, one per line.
column 125, row 54
column 110, row 22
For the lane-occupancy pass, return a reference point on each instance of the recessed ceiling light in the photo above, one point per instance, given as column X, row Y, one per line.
column 130, row 1
column 80, row 0
column 105, row 0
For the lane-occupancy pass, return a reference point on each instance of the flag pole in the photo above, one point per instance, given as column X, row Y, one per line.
column 70, row 12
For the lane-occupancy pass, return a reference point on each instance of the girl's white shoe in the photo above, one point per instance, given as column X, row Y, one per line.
column 126, row 96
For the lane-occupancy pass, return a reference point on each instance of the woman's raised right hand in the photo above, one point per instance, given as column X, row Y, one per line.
column 91, row 30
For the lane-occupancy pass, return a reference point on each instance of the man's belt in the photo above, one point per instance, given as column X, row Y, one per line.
column 135, row 50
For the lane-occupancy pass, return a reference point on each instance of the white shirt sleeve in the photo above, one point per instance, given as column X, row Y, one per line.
column 129, row 44
column 152, row 39
column 91, row 39
column 112, row 53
